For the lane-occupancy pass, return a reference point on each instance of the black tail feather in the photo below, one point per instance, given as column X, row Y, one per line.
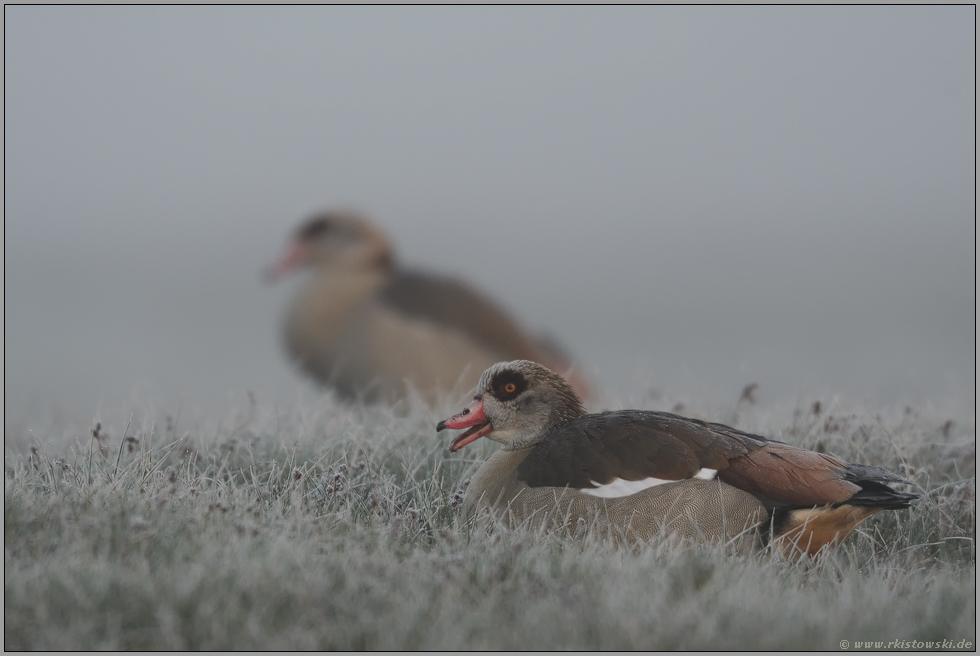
column 862, row 474
column 876, row 495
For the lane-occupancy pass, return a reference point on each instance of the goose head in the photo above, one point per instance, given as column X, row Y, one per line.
column 339, row 240
column 518, row 404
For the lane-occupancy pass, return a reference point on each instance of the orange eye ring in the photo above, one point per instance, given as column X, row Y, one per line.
column 510, row 387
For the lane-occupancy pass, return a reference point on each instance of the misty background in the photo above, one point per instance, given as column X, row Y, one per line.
column 689, row 199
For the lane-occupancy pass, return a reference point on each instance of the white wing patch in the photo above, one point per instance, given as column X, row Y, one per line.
column 623, row 488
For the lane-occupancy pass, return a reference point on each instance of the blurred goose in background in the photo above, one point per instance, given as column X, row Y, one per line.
column 639, row 474
column 371, row 330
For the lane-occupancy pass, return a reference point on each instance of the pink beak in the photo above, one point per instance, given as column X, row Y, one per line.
column 294, row 257
column 473, row 416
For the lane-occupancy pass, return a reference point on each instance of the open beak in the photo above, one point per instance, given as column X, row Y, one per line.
column 471, row 416
column 294, row 257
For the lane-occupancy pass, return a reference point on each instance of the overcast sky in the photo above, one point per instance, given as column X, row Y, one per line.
column 688, row 198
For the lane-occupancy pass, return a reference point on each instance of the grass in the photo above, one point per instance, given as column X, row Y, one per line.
column 326, row 526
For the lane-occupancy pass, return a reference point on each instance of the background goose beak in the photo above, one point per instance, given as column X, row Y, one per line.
column 293, row 258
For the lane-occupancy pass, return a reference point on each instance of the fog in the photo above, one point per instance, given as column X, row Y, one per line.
column 689, row 199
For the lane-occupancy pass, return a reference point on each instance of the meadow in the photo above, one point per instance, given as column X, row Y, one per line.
column 316, row 524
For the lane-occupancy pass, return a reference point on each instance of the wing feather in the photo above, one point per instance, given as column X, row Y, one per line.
column 635, row 445
column 631, row 445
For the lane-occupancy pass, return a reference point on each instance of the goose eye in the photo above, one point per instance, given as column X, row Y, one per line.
column 314, row 228
column 508, row 385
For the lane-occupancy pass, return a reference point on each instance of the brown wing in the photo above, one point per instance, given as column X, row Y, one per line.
column 453, row 304
column 798, row 477
column 634, row 444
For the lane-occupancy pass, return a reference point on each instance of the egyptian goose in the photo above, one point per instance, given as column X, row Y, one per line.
column 372, row 331
column 638, row 474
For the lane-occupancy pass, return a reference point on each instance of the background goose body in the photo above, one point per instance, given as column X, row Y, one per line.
column 686, row 478
column 373, row 331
